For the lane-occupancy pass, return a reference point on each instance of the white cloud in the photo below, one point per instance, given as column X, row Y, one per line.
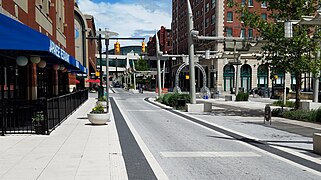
column 130, row 19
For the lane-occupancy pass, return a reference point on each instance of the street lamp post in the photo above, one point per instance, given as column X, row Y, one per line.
column 101, row 88
column 159, row 79
column 191, row 33
column 107, row 37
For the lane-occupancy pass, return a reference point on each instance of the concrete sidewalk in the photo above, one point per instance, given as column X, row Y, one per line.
column 259, row 104
column 75, row 150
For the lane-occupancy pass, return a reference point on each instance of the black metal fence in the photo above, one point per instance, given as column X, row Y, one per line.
column 38, row 116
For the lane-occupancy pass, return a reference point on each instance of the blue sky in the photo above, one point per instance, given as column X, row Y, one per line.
column 129, row 18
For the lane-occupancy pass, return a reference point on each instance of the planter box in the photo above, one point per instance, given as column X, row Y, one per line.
column 99, row 119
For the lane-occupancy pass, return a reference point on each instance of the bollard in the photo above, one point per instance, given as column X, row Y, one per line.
column 267, row 113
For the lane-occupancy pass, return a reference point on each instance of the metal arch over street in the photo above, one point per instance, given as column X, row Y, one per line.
column 205, row 91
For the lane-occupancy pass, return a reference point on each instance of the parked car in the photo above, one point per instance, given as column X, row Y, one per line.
column 117, row 85
column 261, row 91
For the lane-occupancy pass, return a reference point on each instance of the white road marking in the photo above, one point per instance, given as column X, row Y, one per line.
column 159, row 173
column 143, row 110
column 217, row 108
column 208, row 154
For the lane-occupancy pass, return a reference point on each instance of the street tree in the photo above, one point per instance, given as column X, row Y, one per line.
column 141, row 65
column 294, row 54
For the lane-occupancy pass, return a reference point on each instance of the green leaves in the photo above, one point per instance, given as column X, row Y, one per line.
column 98, row 109
column 296, row 55
column 141, row 65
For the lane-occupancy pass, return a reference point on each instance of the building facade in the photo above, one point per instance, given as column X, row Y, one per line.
column 85, row 48
column 218, row 18
column 38, row 59
column 165, row 43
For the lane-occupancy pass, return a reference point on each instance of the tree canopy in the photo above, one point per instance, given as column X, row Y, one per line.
column 295, row 55
column 141, row 65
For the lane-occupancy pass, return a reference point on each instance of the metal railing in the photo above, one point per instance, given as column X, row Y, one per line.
column 16, row 116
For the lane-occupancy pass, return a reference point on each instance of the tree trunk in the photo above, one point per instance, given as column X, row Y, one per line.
column 297, row 90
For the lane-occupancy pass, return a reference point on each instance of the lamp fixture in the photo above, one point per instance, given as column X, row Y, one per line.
column 22, row 60
column 35, row 59
column 42, row 64
column 62, row 67
column 55, row 67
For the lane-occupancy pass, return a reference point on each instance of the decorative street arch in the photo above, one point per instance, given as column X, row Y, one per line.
column 205, row 90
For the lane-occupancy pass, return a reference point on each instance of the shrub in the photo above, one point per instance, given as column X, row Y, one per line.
column 315, row 115
column 98, row 109
column 241, row 96
column 277, row 112
column 170, row 99
column 280, row 103
column 102, row 98
column 166, row 98
column 318, row 115
column 160, row 99
column 298, row 115
column 184, row 97
column 38, row 118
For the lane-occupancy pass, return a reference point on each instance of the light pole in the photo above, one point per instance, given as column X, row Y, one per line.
column 101, row 88
column 107, row 36
column 191, row 33
column 158, row 54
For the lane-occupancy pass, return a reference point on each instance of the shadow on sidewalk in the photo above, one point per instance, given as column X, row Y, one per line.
column 89, row 124
column 82, row 118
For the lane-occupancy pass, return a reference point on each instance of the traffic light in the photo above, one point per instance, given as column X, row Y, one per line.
column 117, row 48
column 143, row 47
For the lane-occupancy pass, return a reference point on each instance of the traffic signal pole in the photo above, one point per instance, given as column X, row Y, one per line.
column 159, row 79
column 117, row 51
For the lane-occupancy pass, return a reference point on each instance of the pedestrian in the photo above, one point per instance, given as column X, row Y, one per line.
column 74, row 89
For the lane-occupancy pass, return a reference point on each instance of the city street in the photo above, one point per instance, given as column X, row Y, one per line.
column 228, row 148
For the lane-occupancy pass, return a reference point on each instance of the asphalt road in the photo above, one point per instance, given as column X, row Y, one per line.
column 181, row 149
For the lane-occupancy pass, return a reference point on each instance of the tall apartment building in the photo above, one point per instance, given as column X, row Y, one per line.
column 218, row 18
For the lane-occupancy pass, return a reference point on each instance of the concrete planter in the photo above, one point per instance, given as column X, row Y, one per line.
column 99, row 119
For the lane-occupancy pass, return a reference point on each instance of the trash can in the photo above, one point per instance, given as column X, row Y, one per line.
column 180, row 102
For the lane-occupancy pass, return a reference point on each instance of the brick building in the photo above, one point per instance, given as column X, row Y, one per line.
column 165, row 42
column 38, row 58
column 218, row 18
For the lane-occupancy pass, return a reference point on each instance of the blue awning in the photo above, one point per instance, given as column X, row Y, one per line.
column 17, row 37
